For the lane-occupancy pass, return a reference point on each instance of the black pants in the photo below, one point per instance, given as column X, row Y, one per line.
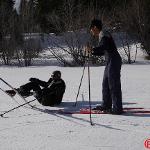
column 26, row 89
column 30, row 86
column 112, row 95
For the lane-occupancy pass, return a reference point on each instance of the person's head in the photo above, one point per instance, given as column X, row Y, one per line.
column 56, row 75
column 96, row 27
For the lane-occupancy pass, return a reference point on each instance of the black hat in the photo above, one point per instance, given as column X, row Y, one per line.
column 97, row 23
column 56, row 74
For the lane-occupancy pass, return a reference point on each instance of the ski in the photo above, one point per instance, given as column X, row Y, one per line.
column 125, row 110
column 15, row 91
column 132, row 110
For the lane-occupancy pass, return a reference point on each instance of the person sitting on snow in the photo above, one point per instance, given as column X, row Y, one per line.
column 48, row 93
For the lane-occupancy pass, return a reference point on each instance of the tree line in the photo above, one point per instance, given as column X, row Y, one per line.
column 51, row 16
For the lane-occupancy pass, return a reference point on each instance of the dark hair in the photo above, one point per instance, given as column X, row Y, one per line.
column 97, row 23
column 57, row 74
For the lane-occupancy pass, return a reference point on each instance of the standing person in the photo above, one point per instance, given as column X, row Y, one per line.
column 111, row 86
column 47, row 93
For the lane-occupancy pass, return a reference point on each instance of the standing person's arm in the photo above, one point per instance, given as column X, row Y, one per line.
column 101, row 48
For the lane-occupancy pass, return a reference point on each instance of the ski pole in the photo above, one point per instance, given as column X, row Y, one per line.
column 80, row 84
column 81, row 78
column 89, row 90
column 16, row 107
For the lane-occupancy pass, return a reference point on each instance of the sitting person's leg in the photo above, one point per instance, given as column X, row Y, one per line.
column 25, row 90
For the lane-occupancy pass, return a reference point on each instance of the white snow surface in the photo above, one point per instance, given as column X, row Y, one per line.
column 40, row 129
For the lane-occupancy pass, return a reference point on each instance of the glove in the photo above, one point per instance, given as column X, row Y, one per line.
column 33, row 79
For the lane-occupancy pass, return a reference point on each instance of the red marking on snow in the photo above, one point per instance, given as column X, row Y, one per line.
column 147, row 143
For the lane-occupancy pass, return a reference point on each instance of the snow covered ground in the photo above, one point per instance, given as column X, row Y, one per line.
column 39, row 129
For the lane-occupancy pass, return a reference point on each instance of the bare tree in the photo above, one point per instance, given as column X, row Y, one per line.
column 72, row 27
column 129, row 46
column 134, row 18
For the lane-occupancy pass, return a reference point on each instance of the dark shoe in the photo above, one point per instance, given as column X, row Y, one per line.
column 108, row 111
column 11, row 92
column 101, row 108
column 114, row 112
column 98, row 108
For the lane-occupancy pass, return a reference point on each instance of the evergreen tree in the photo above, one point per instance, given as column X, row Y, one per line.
column 6, row 9
column 28, row 15
column 45, row 8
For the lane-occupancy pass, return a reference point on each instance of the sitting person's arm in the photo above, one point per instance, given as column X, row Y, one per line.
column 60, row 87
column 39, row 82
column 59, row 91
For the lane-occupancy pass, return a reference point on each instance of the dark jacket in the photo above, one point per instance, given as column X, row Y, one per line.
column 53, row 91
column 107, row 47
